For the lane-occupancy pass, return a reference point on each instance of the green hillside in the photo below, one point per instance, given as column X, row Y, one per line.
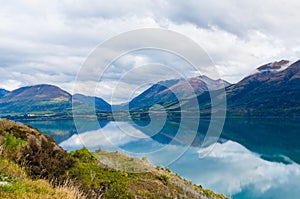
column 34, row 166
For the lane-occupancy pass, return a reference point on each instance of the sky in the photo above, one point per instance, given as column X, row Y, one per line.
column 49, row 41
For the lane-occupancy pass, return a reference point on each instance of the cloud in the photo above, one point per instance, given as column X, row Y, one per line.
column 47, row 42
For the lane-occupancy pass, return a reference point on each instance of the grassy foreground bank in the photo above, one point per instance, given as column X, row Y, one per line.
column 32, row 165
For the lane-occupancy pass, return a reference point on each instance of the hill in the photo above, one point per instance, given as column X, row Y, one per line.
column 43, row 100
column 51, row 172
column 267, row 92
column 3, row 92
column 171, row 91
column 274, row 90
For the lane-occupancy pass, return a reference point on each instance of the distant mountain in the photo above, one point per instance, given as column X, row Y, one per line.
column 274, row 66
column 98, row 103
column 39, row 98
column 37, row 93
column 163, row 93
column 3, row 92
column 44, row 99
column 269, row 91
column 274, row 90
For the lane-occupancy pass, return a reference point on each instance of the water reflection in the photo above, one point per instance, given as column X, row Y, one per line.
column 253, row 158
column 63, row 129
column 275, row 139
column 234, row 170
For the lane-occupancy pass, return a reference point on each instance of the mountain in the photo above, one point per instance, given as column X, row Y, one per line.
column 3, row 92
column 274, row 66
column 163, row 92
column 84, row 101
column 274, row 90
column 39, row 98
column 44, row 100
column 269, row 91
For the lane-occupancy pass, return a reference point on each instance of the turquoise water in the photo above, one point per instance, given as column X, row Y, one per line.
column 254, row 158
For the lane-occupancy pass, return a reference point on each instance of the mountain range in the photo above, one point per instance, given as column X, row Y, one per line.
column 168, row 92
column 46, row 100
column 273, row 90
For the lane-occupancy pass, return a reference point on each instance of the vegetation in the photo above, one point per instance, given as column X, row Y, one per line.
column 32, row 165
column 19, row 185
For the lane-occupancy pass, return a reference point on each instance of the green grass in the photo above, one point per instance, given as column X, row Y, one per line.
column 21, row 186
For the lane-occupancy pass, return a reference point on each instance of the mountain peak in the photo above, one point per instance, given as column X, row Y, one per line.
column 45, row 98
column 274, row 66
column 170, row 91
column 295, row 64
column 38, row 92
column 3, row 92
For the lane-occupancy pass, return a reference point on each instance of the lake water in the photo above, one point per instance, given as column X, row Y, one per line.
column 253, row 158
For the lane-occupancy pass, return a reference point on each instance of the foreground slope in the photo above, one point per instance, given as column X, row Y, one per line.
column 87, row 176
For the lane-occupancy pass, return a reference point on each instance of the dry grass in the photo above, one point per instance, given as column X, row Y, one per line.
column 23, row 187
column 38, row 189
column 123, row 162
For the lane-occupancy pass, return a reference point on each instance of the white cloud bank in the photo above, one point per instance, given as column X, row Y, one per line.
column 47, row 42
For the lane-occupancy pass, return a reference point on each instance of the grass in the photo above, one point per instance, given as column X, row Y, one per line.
column 36, row 167
column 37, row 189
column 21, row 186
column 123, row 162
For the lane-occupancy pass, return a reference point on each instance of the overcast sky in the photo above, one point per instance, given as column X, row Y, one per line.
column 47, row 42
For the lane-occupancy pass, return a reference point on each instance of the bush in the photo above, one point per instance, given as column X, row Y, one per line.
column 83, row 155
column 11, row 143
column 168, row 170
column 45, row 160
column 164, row 178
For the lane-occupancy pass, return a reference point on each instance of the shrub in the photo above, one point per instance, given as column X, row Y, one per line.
column 164, row 178
column 46, row 160
column 11, row 143
column 83, row 155
column 168, row 170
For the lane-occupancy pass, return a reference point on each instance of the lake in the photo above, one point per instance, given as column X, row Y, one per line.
column 253, row 158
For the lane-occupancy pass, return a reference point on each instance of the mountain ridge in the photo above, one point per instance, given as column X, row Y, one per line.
column 265, row 93
column 273, row 90
column 268, row 92
column 46, row 99
column 3, row 92
column 163, row 92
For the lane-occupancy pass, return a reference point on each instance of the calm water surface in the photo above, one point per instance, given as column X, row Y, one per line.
column 254, row 158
